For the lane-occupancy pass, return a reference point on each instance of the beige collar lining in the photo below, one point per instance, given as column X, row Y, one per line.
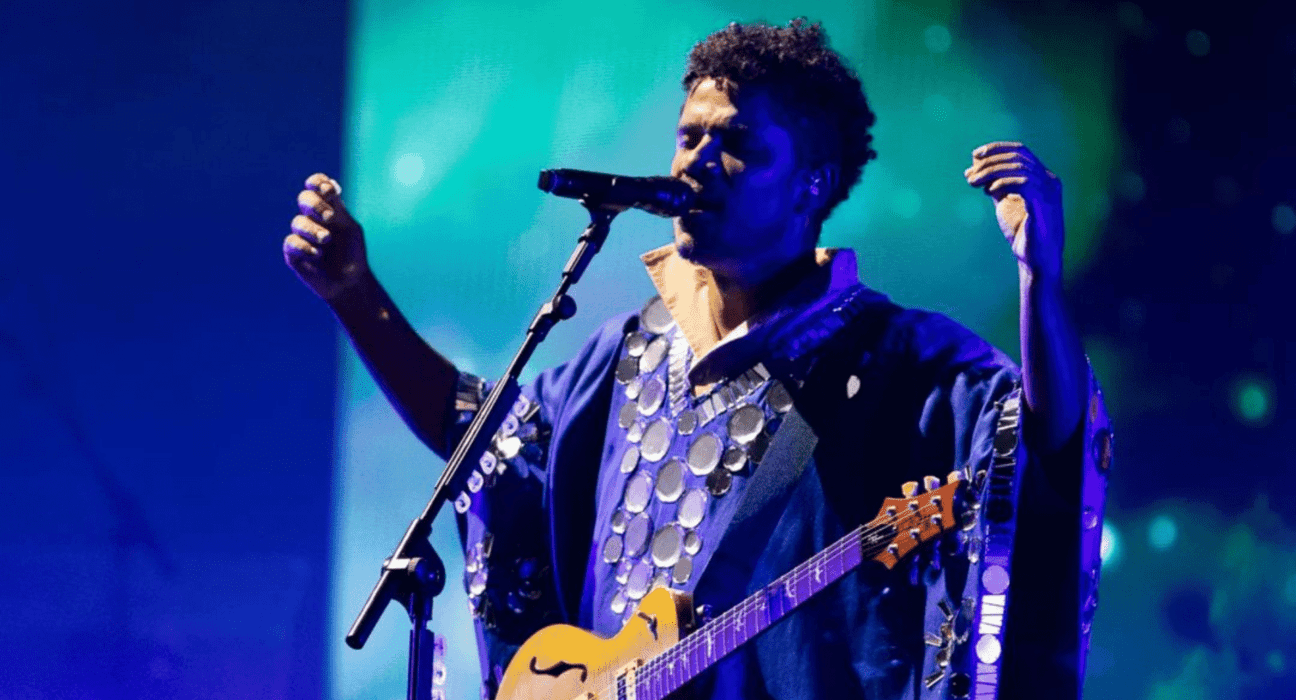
column 684, row 289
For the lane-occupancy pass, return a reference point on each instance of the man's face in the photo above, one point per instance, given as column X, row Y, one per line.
column 737, row 152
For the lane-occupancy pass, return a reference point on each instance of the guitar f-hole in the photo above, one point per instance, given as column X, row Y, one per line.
column 559, row 668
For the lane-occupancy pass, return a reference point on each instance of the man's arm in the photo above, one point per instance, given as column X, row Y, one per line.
column 1028, row 204
column 326, row 249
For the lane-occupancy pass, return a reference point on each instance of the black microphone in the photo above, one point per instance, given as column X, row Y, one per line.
column 663, row 196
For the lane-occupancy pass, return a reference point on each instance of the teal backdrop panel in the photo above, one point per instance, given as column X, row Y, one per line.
column 453, row 108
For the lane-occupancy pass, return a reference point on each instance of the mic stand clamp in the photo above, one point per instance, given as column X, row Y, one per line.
column 414, row 574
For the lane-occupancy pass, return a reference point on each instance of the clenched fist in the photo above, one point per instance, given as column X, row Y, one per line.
column 1028, row 204
column 326, row 247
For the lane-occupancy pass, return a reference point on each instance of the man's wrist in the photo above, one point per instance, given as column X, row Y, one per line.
column 1040, row 284
column 364, row 298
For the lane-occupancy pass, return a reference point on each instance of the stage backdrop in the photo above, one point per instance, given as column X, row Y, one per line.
column 454, row 106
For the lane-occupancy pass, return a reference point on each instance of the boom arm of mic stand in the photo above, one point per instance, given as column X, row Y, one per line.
column 399, row 584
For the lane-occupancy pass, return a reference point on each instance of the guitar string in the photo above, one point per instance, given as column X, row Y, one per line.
column 798, row 574
column 760, row 602
column 649, row 672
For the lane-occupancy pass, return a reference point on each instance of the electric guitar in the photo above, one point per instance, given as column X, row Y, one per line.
column 651, row 657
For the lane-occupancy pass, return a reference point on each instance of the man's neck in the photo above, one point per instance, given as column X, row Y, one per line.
column 734, row 300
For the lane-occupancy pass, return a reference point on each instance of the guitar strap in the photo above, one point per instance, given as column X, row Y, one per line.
column 792, row 447
column 763, row 500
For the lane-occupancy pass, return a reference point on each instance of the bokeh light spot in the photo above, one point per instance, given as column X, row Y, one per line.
column 1276, row 661
column 937, row 38
column 937, row 107
column 1283, row 219
column 1197, row 42
column 1252, row 400
column 1178, row 130
column 1129, row 16
column 906, row 203
column 1162, row 532
column 1110, row 549
column 409, row 169
column 1131, row 187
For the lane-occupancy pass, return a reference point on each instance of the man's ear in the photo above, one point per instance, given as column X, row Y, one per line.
column 816, row 188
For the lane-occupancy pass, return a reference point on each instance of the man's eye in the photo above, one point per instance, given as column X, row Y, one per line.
column 686, row 139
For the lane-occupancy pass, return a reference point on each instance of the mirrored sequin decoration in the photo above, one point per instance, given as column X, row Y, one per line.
column 687, row 422
column 704, row 454
column 735, row 458
column 612, row 549
column 619, row 521
column 635, row 433
column 637, row 533
column 656, row 440
column 756, row 450
column 718, row 482
column 745, row 423
column 637, row 491
column 626, row 417
column 627, row 369
column 635, row 343
column 477, row 585
column 639, row 581
column 623, row 570
column 778, row 397
column 655, row 317
column 670, row 481
column 692, row 507
column 619, row 601
column 652, row 396
column 630, row 459
column 634, row 388
column 692, row 543
column 667, row 546
column 682, row 570
column 653, row 355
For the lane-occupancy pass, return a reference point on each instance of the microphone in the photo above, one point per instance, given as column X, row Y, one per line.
column 663, row 196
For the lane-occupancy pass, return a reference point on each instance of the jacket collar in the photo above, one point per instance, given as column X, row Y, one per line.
column 684, row 289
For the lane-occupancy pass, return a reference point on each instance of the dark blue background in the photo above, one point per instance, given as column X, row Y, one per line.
column 167, row 385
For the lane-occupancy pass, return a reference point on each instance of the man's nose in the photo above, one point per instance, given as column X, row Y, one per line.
column 703, row 162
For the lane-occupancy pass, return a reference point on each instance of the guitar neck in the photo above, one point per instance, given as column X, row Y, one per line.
column 697, row 652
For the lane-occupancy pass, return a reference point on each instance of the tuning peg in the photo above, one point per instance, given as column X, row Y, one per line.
column 909, row 489
column 954, row 476
column 930, row 483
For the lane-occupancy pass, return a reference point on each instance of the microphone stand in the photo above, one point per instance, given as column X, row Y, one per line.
column 414, row 574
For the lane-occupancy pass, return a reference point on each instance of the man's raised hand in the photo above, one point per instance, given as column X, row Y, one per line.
column 326, row 247
column 1028, row 204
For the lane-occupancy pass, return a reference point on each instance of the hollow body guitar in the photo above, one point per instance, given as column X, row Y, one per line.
column 658, row 650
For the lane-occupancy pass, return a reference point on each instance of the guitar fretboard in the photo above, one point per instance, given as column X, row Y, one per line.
column 668, row 672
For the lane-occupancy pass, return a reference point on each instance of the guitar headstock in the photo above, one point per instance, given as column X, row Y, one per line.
column 904, row 523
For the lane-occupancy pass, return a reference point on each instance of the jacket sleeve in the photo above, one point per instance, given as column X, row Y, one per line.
column 503, row 514
column 1017, row 622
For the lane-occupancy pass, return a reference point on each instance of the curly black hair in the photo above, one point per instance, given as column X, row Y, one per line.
column 808, row 79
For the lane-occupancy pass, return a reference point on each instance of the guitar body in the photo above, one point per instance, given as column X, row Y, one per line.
column 562, row 662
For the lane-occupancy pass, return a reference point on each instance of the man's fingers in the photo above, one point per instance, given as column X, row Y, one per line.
column 980, row 177
column 1005, row 185
column 313, row 205
column 327, row 187
column 994, row 147
column 311, row 231
column 1001, row 157
column 297, row 249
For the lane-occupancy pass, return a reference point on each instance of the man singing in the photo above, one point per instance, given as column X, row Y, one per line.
column 628, row 467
